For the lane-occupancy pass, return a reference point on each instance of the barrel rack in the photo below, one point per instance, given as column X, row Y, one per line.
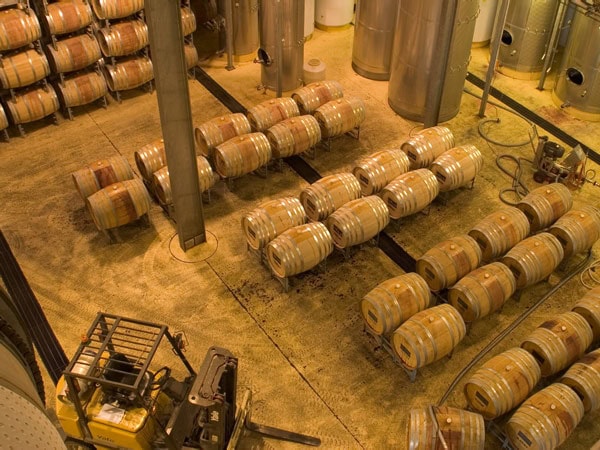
column 326, row 143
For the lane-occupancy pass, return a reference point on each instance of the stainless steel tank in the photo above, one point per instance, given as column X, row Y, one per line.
column 417, row 25
column 245, row 29
column 290, row 15
column 577, row 85
column 374, row 37
column 525, row 37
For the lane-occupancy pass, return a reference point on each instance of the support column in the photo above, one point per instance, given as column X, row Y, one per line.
column 170, row 74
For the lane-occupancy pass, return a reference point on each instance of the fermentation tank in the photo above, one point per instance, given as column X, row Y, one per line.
column 415, row 40
column 245, row 29
column 374, row 37
column 334, row 14
column 485, row 22
column 309, row 18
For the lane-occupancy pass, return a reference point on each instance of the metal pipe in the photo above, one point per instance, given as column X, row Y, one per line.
column 279, row 48
column 172, row 92
column 229, row 33
column 496, row 40
column 439, row 61
column 553, row 42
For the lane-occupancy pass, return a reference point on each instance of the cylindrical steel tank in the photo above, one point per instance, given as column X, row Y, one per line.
column 525, row 37
column 417, row 25
column 290, row 14
column 374, row 37
column 333, row 14
column 578, row 82
column 245, row 28
column 309, row 18
column 484, row 22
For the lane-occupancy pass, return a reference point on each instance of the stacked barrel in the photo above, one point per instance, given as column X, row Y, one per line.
column 27, row 96
column 74, row 53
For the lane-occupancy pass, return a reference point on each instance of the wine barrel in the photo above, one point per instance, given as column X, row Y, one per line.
column 457, row 167
column 116, row 9
column 191, row 55
column 128, row 73
column 326, row 195
column 377, row 170
column 500, row 231
column 313, row 95
column 220, row 129
column 22, row 69
column 162, row 183
column 150, row 158
column 358, row 221
column 502, row 383
column 578, row 229
column 483, row 291
column 428, row 336
column 68, row 16
column 545, row 204
column 584, row 378
column 101, row 174
column 559, row 342
column 299, row 249
column 460, row 429
column 292, row 136
column 73, row 53
column 3, row 119
column 123, row 38
column 270, row 219
column 340, row 116
column 424, row 147
column 588, row 307
column 447, row 262
column 118, row 204
column 33, row 104
column 394, row 301
column 82, row 89
column 242, row 154
column 18, row 28
column 188, row 21
column 270, row 112
column 411, row 192
column 546, row 419
column 534, row 259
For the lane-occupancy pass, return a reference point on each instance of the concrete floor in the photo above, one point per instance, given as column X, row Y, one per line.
column 303, row 353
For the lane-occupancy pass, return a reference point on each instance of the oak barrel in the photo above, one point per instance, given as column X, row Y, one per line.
column 313, row 95
column 150, row 158
column 457, row 167
column 128, row 73
column 482, row 291
column 428, row 336
column 32, row 104
column 242, row 154
column 546, row 419
column 358, row 221
column 545, row 204
column 410, row 192
column 340, row 116
column 3, row 119
column 73, row 53
column 118, row 204
column 584, row 378
column 191, row 55
column 299, row 249
column 588, row 307
column 162, row 183
column 100, row 174
column 220, row 129
column 559, row 342
column 82, row 89
column 18, row 28
column 502, row 383
column 460, row 429
column 269, row 219
column 448, row 261
column 188, row 21
column 394, row 301
column 123, row 38
column 500, row 231
column 534, row 259
column 270, row 112
column 22, row 69
column 292, row 136
column 68, row 16
column 428, row 144
column 116, row 9
column 377, row 170
column 578, row 229
column 326, row 195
